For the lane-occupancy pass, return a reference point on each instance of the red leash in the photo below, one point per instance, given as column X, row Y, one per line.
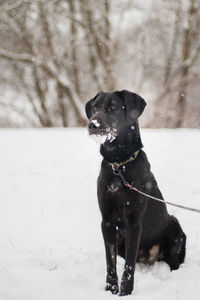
column 118, row 172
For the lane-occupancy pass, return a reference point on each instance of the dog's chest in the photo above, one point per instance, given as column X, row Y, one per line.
column 115, row 185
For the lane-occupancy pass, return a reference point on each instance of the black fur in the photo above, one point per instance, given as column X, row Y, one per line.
column 136, row 228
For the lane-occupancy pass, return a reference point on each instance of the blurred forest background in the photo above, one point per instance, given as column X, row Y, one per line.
column 57, row 54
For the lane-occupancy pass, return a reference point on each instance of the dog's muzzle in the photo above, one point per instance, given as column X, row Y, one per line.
column 96, row 128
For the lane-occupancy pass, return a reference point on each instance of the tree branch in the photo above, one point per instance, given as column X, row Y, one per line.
column 51, row 70
column 19, row 57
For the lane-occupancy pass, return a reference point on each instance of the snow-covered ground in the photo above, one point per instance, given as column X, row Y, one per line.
column 51, row 246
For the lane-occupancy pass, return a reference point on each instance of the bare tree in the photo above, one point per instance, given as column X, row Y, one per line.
column 169, row 61
column 189, row 56
column 54, row 39
column 56, row 54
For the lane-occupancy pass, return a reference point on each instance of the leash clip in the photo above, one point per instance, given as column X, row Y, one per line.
column 115, row 167
column 117, row 172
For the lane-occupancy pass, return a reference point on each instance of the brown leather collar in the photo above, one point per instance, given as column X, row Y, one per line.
column 116, row 165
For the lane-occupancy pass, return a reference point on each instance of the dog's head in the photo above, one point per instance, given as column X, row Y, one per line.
column 112, row 114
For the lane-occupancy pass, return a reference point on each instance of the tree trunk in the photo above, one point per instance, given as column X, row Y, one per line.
column 184, row 72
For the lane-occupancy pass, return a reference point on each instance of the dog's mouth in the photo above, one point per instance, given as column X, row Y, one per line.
column 102, row 138
column 101, row 135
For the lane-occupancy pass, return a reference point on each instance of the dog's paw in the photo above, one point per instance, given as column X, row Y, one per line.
column 113, row 288
column 127, row 283
column 112, row 282
column 126, row 289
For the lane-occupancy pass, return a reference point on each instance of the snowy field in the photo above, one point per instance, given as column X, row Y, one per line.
column 51, row 246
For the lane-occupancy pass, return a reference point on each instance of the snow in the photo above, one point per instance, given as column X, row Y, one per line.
column 96, row 123
column 51, row 245
column 109, row 134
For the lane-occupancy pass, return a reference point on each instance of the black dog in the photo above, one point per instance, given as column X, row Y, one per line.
column 135, row 227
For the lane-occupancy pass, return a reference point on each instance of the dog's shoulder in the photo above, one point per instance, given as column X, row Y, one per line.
column 142, row 163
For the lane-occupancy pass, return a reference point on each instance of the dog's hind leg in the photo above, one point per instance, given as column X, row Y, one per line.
column 174, row 245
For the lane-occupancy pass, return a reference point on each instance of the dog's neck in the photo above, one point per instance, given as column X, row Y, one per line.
column 122, row 147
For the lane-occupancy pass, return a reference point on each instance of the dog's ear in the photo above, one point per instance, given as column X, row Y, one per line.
column 134, row 104
column 88, row 107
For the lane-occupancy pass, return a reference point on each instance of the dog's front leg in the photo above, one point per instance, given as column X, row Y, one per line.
column 110, row 239
column 133, row 233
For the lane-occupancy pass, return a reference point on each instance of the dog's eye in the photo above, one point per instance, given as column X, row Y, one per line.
column 94, row 110
column 111, row 107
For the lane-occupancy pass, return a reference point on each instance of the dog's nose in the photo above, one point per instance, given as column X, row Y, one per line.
column 93, row 125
